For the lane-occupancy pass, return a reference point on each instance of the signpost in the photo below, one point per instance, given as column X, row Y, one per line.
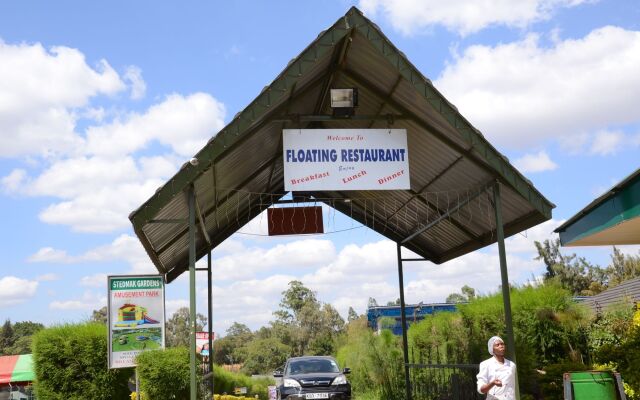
column 345, row 159
column 135, row 317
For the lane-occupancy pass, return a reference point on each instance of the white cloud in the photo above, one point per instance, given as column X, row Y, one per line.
column 88, row 302
column 48, row 277
column 522, row 93
column 171, row 306
column 49, row 254
column 463, row 16
column 123, row 248
column 95, row 280
column 535, row 163
column 133, row 75
column 39, row 91
column 15, row 290
column 14, row 181
column 607, row 143
column 182, row 123
column 100, row 188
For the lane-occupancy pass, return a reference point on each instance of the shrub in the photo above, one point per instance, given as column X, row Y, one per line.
column 226, row 381
column 376, row 361
column 70, row 362
column 164, row 374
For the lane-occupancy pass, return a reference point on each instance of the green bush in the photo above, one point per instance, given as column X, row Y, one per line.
column 625, row 357
column 70, row 362
column 165, row 374
column 226, row 381
column 549, row 328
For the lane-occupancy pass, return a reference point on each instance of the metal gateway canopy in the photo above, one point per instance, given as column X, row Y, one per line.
column 240, row 170
column 613, row 218
column 445, row 153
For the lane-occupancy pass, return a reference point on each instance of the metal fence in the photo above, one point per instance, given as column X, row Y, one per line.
column 433, row 380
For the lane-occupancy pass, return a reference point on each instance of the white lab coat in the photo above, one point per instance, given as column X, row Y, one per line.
column 491, row 369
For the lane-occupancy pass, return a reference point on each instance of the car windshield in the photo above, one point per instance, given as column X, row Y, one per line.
column 311, row 366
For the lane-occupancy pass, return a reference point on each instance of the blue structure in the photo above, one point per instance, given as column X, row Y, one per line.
column 412, row 312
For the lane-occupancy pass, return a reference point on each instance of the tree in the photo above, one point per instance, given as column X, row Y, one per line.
column 265, row 355
column 573, row 273
column 352, row 315
column 456, row 298
column 372, row 303
column 177, row 327
column 623, row 267
column 468, row 294
column 6, row 336
column 304, row 323
column 394, row 303
column 99, row 316
column 223, row 351
column 293, row 300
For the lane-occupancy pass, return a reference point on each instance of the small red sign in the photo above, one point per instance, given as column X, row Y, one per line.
column 295, row 220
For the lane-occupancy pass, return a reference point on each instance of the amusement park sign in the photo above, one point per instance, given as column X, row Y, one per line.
column 345, row 159
column 136, row 317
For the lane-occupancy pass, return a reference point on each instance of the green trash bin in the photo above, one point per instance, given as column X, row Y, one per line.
column 593, row 385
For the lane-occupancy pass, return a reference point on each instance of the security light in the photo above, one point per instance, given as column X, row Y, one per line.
column 343, row 101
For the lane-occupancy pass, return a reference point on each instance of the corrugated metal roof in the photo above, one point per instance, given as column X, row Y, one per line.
column 627, row 292
column 240, row 171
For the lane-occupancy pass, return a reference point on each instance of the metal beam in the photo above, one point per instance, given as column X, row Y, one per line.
column 210, row 318
column 192, row 290
column 384, row 101
column 403, row 319
column 169, row 221
column 220, row 236
column 443, row 216
column 211, row 210
column 203, row 228
column 426, row 186
column 339, row 57
column 331, row 118
column 506, row 289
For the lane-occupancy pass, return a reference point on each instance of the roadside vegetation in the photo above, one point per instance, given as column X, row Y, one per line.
column 553, row 333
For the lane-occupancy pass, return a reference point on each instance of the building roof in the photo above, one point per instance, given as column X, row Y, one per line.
column 626, row 292
column 239, row 173
column 613, row 218
column 16, row 369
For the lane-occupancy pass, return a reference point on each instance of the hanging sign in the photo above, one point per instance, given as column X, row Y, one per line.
column 136, row 317
column 345, row 159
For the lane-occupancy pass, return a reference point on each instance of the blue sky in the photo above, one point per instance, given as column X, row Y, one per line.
column 101, row 103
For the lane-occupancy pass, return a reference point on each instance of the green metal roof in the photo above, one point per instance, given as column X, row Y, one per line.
column 17, row 368
column 446, row 153
column 613, row 218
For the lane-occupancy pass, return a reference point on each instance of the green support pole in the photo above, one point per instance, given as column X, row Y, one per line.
column 506, row 295
column 210, row 311
column 192, row 291
column 403, row 319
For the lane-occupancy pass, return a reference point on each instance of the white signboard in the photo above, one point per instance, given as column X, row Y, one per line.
column 136, row 317
column 345, row 159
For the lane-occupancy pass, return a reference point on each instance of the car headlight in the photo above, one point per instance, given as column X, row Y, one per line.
column 290, row 383
column 340, row 380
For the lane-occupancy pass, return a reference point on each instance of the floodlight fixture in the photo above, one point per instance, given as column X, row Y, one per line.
column 344, row 101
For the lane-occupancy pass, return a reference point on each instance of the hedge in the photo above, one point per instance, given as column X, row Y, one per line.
column 70, row 363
